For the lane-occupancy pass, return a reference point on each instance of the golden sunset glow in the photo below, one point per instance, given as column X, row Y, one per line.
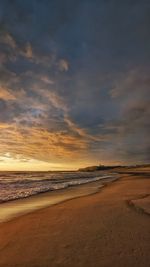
column 74, row 133
column 11, row 164
column 70, row 97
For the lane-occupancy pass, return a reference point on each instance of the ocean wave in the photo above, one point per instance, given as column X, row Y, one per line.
column 15, row 185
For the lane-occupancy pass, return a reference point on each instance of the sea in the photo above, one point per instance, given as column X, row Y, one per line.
column 18, row 185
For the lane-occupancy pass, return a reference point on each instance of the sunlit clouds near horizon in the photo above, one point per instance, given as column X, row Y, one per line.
column 74, row 83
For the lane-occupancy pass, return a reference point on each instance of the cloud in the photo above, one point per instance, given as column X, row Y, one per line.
column 46, row 79
column 132, row 128
column 75, row 80
column 39, row 143
column 6, row 94
column 133, row 82
column 28, row 51
column 63, row 65
column 52, row 97
column 7, row 39
column 3, row 58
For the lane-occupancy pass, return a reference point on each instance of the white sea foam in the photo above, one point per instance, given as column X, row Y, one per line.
column 15, row 185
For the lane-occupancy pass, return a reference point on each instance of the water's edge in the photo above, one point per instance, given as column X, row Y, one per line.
column 15, row 186
column 16, row 208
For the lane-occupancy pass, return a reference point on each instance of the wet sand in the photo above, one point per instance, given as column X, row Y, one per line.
column 100, row 230
column 15, row 208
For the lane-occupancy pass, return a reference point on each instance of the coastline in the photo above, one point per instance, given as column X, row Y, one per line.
column 18, row 207
column 95, row 230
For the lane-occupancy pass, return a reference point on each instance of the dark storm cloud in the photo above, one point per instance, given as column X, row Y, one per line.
column 75, row 76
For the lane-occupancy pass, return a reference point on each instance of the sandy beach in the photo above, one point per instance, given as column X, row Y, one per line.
column 108, row 228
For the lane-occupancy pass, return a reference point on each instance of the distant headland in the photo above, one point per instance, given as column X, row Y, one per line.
column 101, row 167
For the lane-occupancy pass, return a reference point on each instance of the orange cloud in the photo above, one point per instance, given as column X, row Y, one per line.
column 6, row 94
column 39, row 144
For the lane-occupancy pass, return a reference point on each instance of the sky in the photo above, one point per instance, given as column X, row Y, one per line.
column 74, row 83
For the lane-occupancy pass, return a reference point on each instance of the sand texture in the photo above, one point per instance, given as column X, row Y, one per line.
column 101, row 230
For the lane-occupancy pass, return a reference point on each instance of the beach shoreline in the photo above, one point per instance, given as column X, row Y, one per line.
column 19, row 207
column 101, row 229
